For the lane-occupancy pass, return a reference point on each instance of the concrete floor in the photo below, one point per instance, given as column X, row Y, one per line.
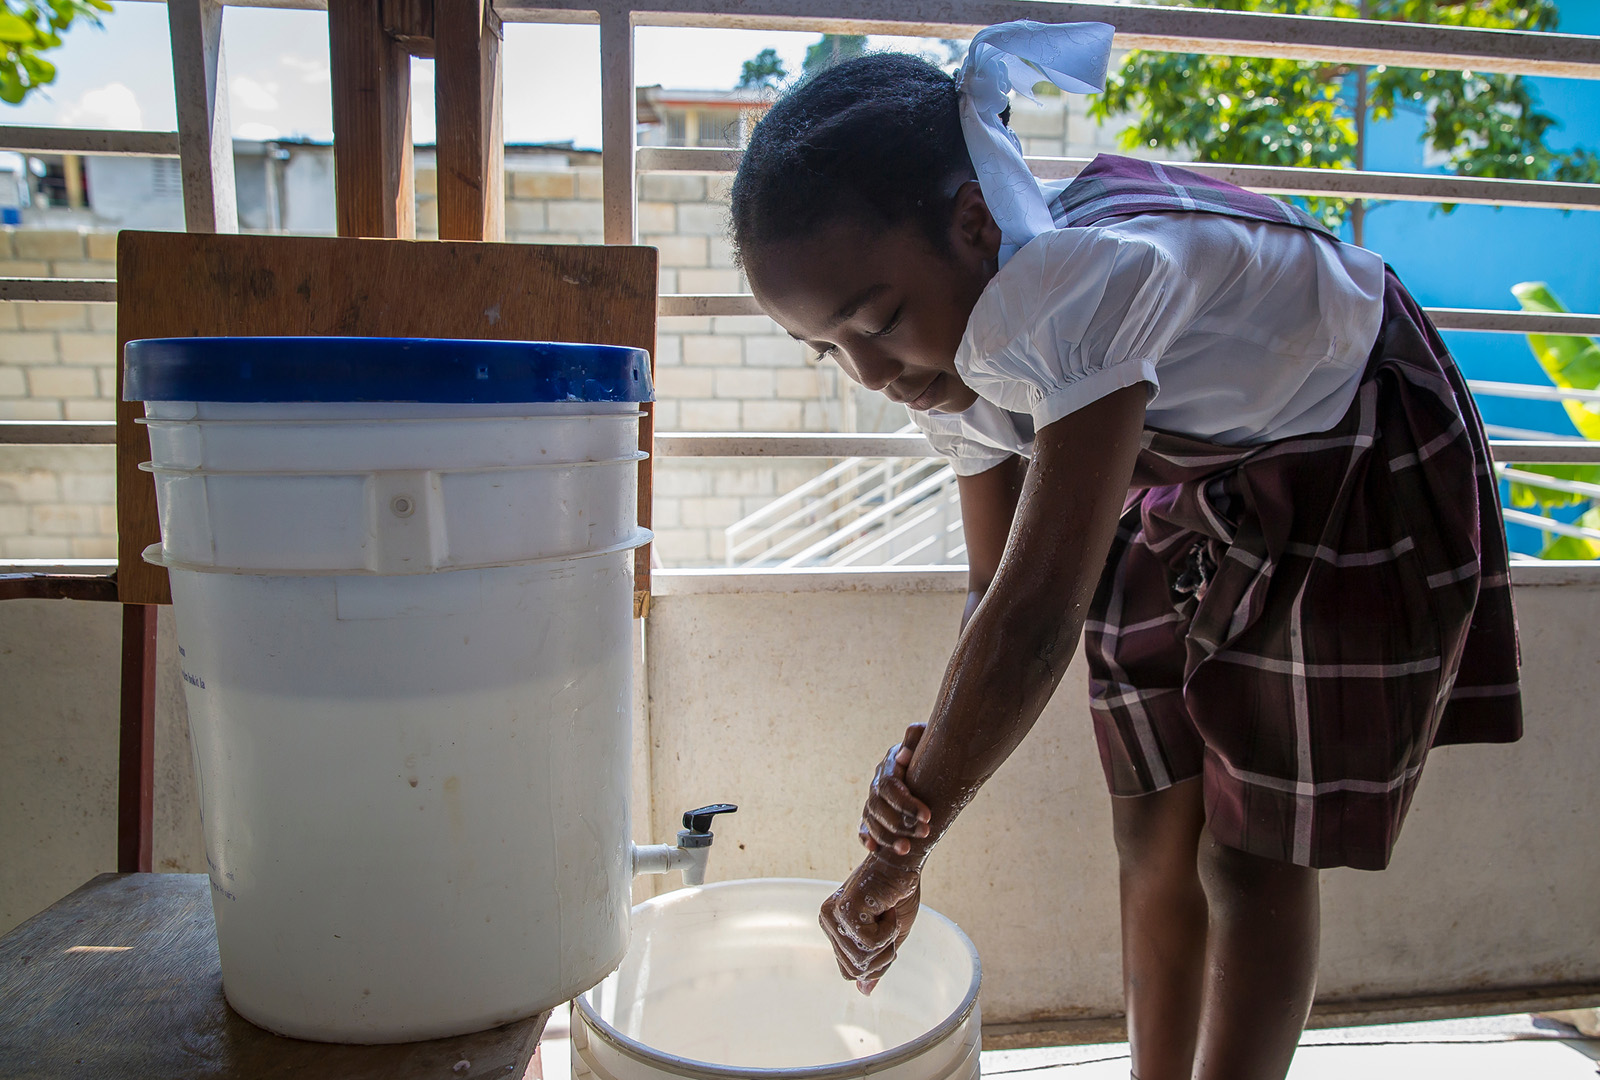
column 1488, row 1048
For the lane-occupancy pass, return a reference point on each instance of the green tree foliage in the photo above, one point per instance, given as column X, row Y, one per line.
column 833, row 48
column 29, row 28
column 1288, row 112
column 762, row 70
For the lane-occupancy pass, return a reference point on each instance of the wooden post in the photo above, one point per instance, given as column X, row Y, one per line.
column 137, row 746
column 618, row 104
column 467, row 106
column 205, row 135
column 374, row 178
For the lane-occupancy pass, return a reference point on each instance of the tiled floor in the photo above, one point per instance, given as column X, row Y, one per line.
column 1490, row 1048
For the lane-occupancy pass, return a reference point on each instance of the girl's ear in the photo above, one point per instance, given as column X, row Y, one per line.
column 974, row 234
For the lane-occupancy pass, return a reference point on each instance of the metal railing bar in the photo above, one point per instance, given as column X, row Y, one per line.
column 859, row 550
column 287, row 5
column 790, row 444
column 1528, row 391
column 1533, row 452
column 823, row 444
column 840, row 498
column 1271, row 180
column 905, row 556
column 701, row 304
column 58, row 433
column 59, row 290
column 1514, row 322
column 1501, row 431
column 1550, row 525
column 784, row 444
column 1571, row 487
column 1481, row 319
column 88, row 141
column 839, row 518
column 822, row 480
column 1139, row 26
column 905, row 498
column 801, row 512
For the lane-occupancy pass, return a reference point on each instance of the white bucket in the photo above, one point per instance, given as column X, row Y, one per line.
column 736, row 980
column 405, row 637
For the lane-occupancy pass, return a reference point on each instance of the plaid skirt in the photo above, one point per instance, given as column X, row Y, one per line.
column 1298, row 623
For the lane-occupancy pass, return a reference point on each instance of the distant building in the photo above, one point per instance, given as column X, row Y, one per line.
column 716, row 118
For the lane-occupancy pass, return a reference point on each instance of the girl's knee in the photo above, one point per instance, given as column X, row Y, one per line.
column 1159, row 834
column 1236, row 880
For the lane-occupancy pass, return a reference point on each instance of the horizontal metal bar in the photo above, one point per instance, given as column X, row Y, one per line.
column 1530, row 392
column 1549, row 525
column 707, row 304
column 790, row 444
column 952, row 578
column 1551, row 483
column 828, row 445
column 692, row 159
column 59, row 290
column 58, row 432
column 1514, row 322
column 1510, row 322
column 95, row 141
column 1139, row 26
column 1530, row 452
column 1271, row 180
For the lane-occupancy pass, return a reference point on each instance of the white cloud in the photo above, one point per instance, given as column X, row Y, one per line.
column 253, row 95
column 109, row 106
column 257, row 130
column 310, row 71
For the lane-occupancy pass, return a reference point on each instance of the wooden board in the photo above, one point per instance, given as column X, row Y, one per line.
column 121, row 980
column 191, row 285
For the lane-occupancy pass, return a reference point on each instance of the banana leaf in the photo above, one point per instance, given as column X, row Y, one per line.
column 1572, row 363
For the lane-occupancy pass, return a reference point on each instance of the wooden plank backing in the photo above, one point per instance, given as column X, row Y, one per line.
column 121, row 979
column 193, row 285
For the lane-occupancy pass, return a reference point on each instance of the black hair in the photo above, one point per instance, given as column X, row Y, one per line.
column 876, row 138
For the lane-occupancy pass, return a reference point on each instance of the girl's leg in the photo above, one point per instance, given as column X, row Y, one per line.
column 1261, row 963
column 1163, row 927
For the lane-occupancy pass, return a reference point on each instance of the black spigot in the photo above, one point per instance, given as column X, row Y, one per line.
column 697, row 824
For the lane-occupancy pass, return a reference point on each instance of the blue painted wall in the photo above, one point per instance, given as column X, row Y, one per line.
column 1472, row 257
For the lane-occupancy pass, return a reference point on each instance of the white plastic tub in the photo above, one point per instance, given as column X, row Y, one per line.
column 737, row 980
column 405, row 637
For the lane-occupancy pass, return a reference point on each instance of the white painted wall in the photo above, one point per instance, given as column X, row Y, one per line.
column 782, row 702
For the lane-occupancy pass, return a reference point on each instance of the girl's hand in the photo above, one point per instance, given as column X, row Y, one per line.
column 893, row 817
column 870, row 915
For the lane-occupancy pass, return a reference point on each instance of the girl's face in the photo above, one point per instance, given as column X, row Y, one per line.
column 885, row 304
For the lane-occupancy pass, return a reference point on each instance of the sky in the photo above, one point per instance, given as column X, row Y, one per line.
column 121, row 76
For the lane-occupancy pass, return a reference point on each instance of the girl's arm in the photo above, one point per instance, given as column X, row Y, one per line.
column 1009, row 659
column 988, row 505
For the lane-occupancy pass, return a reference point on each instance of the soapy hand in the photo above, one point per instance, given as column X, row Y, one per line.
column 869, row 916
column 893, row 817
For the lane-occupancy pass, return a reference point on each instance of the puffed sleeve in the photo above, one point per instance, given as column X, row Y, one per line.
column 952, row 437
column 1075, row 315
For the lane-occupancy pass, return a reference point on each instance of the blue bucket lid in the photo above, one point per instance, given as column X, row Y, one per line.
column 381, row 369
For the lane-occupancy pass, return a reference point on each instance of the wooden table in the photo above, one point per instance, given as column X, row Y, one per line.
column 121, row 980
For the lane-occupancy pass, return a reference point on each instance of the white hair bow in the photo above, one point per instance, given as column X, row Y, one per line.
column 1015, row 55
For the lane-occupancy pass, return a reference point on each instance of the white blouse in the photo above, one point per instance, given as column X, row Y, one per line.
column 1243, row 331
